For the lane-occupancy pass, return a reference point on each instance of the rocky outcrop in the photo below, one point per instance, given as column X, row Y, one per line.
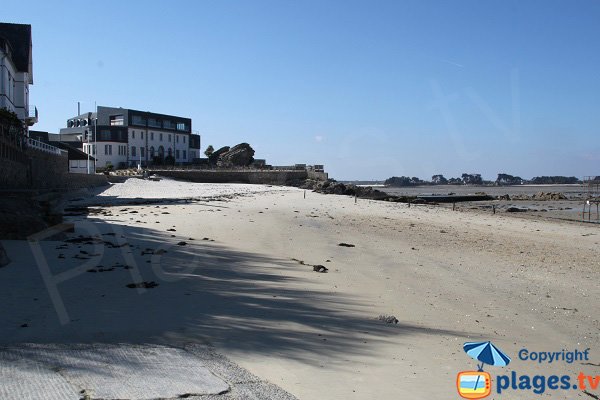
column 216, row 155
column 540, row 196
column 240, row 155
column 366, row 192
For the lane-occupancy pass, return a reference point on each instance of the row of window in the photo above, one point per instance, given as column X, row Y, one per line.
column 153, row 122
column 122, row 151
column 160, row 136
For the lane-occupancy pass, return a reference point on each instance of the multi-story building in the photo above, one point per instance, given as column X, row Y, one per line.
column 16, row 71
column 127, row 137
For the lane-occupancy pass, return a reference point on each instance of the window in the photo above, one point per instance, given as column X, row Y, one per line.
column 153, row 122
column 133, row 134
column 116, row 120
column 108, row 149
column 138, row 120
column 132, row 151
column 104, row 135
column 169, row 137
column 177, row 137
column 142, row 151
column 181, row 126
column 151, row 135
column 176, row 153
column 184, row 155
column 142, row 134
column 160, row 136
column 94, row 149
column 184, row 139
column 152, row 151
column 168, row 124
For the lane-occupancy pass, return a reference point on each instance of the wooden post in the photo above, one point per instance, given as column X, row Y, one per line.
column 305, row 194
column 453, row 206
column 494, row 208
column 355, row 198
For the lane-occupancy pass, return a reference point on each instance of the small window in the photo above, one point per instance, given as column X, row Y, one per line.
column 184, row 140
column 132, row 151
column 133, row 134
column 117, row 120
column 169, row 137
column 184, row 155
column 142, row 152
column 176, row 153
column 160, row 136
column 181, row 126
column 142, row 134
column 151, row 135
column 177, row 138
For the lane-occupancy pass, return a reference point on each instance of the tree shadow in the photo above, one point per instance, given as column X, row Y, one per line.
column 206, row 293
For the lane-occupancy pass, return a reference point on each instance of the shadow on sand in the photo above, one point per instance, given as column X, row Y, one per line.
column 206, row 293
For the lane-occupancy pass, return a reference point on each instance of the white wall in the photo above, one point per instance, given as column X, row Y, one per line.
column 15, row 86
column 80, row 166
column 151, row 138
column 115, row 154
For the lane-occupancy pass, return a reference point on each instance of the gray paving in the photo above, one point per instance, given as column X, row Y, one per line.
column 125, row 371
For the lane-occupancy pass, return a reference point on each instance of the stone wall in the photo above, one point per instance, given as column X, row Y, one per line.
column 251, row 176
column 44, row 171
column 13, row 174
column 317, row 176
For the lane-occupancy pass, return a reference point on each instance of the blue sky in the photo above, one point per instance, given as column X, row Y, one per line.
column 371, row 89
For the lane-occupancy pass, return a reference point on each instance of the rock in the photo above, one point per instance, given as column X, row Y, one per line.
column 320, row 268
column 388, row 319
column 240, row 155
column 214, row 157
column 145, row 285
column 346, row 245
column 181, row 244
column 515, row 209
column 4, row 260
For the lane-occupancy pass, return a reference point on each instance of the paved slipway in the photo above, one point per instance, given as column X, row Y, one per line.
column 229, row 272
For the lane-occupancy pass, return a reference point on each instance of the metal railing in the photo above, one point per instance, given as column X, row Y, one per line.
column 46, row 148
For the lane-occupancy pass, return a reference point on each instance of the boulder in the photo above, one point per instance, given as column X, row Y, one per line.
column 214, row 157
column 240, row 155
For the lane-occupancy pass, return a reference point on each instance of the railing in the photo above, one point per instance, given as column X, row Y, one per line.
column 46, row 148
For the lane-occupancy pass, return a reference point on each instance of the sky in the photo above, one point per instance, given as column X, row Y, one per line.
column 370, row 89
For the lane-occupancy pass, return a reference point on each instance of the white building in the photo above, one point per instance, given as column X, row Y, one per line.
column 127, row 138
column 16, row 71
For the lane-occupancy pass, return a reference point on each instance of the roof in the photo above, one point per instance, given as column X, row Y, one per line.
column 74, row 153
column 19, row 38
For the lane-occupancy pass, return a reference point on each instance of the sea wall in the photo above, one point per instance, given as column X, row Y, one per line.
column 44, row 171
column 267, row 177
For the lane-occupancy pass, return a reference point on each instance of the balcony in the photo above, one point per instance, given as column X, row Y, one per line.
column 32, row 116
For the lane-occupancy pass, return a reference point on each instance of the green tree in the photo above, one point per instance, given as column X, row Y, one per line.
column 209, row 150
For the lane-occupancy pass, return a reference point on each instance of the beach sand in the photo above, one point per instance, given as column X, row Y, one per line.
column 233, row 268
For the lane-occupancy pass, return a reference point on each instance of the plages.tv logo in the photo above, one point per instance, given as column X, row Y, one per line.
column 478, row 384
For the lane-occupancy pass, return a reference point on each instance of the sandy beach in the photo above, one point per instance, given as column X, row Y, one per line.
column 231, row 266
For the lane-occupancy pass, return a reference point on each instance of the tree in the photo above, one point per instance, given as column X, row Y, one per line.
column 505, row 179
column 209, row 150
column 472, row 179
column 439, row 180
column 398, row 181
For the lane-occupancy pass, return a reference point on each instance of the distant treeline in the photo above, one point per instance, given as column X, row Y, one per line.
column 475, row 179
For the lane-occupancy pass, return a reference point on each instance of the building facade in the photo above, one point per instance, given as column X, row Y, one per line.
column 16, row 71
column 127, row 138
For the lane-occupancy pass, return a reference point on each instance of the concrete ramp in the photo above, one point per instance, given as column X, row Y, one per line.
column 103, row 372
